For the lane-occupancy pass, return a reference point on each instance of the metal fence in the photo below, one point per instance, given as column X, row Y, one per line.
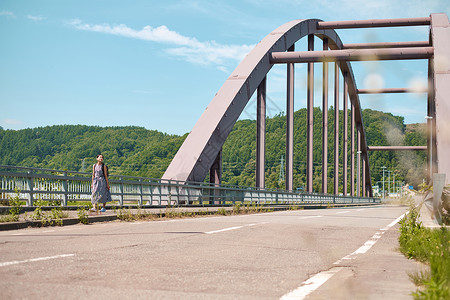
column 72, row 188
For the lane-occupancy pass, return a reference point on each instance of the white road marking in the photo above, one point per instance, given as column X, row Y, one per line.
column 311, row 284
column 309, row 217
column 15, row 262
column 230, row 228
column 314, row 282
column 343, row 212
column 367, row 245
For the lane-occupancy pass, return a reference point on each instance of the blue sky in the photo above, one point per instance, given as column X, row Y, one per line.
column 158, row 64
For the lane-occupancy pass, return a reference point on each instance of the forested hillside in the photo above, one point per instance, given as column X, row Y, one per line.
column 141, row 152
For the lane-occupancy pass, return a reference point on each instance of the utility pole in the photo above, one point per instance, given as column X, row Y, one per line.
column 383, row 167
column 389, row 182
column 395, row 187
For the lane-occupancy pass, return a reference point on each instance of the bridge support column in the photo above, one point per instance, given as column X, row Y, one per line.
column 261, row 134
column 325, row 122
column 345, row 137
column 215, row 177
column 290, row 125
column 352, row 149
column 336, row 129
column 310, row 119
column 364, row 175
column 358, row 161
column 440, row 65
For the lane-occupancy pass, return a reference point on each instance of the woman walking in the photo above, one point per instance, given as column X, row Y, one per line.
column 100, row 184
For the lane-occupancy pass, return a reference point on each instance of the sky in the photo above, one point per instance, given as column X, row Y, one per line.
column 158, row 64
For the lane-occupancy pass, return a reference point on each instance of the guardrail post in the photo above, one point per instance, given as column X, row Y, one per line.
column 30, row 188
column 121, row 191
column 65, row 189
column 141, row 196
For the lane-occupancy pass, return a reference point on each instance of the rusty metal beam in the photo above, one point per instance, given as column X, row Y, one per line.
column 389, row 91
column 397, row 148
column 325, row 122
column 374, row 23
column 310, row 120
column 345, row 137
column 352, row 149
column 290, row 125
column 387, row 45
column 336, row 129
column 358, row 161
column 352, row 55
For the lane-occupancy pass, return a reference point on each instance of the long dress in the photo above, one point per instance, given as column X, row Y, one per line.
column 100, row 193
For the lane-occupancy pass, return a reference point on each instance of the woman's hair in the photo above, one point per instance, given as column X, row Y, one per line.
column 99, row 155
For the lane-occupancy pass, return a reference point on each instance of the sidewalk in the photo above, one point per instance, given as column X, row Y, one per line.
column 110, row 215
column 381, row 273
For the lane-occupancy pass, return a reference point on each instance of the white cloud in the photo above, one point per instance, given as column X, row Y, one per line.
column 11, row 122
column 188, row 48
column 7, row 14
column 36, row 18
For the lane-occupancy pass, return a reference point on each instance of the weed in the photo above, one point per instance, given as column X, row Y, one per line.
column 237, row 209
column 222, row 211
column 15, row 205
column 38, row 214
column 54, row 217
column 431, row 247
column 83, row 215
column 125, row 215
column 14, row 209
column 9, row 218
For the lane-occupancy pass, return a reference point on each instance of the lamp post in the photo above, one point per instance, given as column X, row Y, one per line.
column 395, row 186
column 389, row 182
column 383, row 167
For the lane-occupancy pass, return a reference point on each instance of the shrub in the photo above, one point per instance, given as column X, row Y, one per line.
column 431, row 247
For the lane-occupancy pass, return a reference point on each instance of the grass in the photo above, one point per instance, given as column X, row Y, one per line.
column 432, row 247
column 14, row 210
column 173, row 213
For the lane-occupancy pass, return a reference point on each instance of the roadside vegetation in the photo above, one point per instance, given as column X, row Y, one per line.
column 129, row 215
column 432, row 247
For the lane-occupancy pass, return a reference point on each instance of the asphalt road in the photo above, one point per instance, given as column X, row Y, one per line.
column 260, row 256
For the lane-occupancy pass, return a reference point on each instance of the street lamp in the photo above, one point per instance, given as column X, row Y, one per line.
column 389, row 182
column 383, row 167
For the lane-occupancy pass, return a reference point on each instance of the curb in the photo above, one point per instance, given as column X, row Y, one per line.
column 65, row 222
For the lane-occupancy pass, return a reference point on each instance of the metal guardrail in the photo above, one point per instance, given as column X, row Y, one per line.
column 70, row 187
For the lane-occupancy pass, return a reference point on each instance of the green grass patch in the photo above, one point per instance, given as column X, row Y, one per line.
column 432, row 247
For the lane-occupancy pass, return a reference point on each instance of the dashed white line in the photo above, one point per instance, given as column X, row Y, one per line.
column 311, row 284
column 15, row 262
column 343, row 212
column 230, row 228
column 309, row 217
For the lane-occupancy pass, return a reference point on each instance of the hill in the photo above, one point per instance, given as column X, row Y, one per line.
column 140, row 152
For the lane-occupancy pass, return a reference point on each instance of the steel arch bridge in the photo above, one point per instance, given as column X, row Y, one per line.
column 201, row 152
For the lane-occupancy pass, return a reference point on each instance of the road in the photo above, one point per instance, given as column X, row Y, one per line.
column 260, row 256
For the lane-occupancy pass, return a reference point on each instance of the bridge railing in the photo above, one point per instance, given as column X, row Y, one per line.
column 74, row 188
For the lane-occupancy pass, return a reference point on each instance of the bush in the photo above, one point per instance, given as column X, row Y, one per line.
column 431, row 247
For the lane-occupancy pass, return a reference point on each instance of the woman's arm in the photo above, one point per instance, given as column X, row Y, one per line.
column 106, row 176
column 93, row 172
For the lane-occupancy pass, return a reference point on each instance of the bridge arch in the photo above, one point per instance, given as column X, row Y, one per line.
column 202, row 148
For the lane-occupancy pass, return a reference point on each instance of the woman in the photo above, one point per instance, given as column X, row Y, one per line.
column 100, row 184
